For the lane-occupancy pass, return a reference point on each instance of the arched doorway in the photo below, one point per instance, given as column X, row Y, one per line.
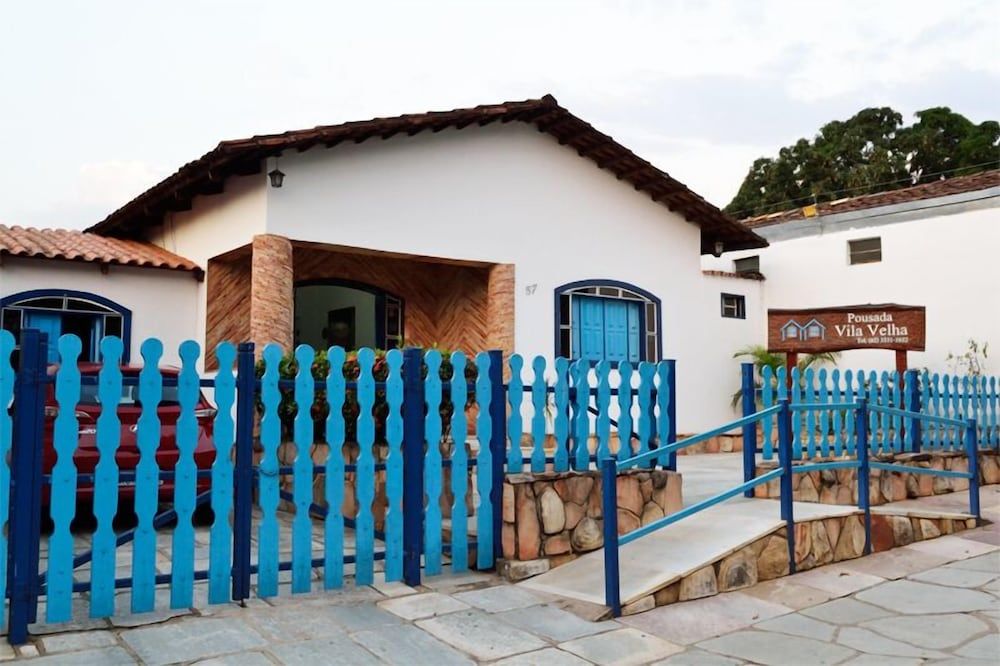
column 350, row 314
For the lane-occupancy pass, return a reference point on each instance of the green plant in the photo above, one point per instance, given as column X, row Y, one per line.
column 761, row 358
column 972, row 361
column 288, row 408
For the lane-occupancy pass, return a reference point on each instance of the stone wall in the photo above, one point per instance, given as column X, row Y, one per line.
column 817, row 542
column 552, row 518
column 841, row 486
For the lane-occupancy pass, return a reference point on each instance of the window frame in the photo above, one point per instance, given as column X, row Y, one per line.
column 747, row 271
column 106, row 308
column 384, row 301
column 651, row 333
column 740, row 303
column 862, row 254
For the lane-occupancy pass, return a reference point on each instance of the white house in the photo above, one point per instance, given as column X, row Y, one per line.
column 931, row 245
column 515, row 226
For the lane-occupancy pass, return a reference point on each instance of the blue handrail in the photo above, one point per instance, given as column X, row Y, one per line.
column 892, row 411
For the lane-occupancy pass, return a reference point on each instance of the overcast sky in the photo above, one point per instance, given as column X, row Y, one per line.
column 100, row 99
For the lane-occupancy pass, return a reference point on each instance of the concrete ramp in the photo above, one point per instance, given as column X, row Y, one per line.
column 669, row 554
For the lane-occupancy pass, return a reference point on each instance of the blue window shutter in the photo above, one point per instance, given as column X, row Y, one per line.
column 634, row 334
column 575, row 328
column 46, row 322
column 616, row 331
column 591, row 328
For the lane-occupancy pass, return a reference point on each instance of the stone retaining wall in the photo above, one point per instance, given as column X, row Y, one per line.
column 552, row 518
column 817, row 542
column 841, row 486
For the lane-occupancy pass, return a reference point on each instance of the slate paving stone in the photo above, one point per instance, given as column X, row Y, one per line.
column 238, row 659
column 335, row 651
column 500, row 598
column 553, row 623
column 291, row 623
column 359, row 618
column 799, row 625
column 869, row 642
column 989, row 562
column 192, row 638
column 845, row 611
column 546, row 657
column 787, row 593
column 697, row 658
column 930, row 631
column 407, row 645
column 77, row 641
column 984, row 647
column 482, row 635
column 107, row 656
column 622, row 647
column 956, row 577
column 838, row 580
column 913, row 598
column 953, row 547
column 895, row 563
column 883, row 660
column 771, row 649
column 419, row 606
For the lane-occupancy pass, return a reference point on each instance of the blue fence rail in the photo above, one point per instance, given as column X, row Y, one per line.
column 782, row 415
column 823, row 428
column 392, row 490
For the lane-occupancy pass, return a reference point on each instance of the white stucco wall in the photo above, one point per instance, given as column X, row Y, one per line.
column 163, row 302
column 510, row 194
column 215, row 225
column 944, row 260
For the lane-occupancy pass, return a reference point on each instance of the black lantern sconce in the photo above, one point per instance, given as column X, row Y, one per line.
column 276, row 175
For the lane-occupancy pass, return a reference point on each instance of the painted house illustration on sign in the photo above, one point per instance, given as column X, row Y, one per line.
column 811, row 330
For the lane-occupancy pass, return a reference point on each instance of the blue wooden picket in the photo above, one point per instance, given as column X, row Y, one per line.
column 394, row 465
column 102, row 568
column 147, row 478
column 837, row 396
column 645, row 400
column 767, row 381
column 850, row 434
column 459, row 463
column 432, row 462
column 809, row 393
column 7, row 344
column 333, row 472
column 302, row 468
column 220, row 551
column 561, row 425
column 794, row 398
column 580, row 372
column 873, row 399
column 895, row 379
column 603, row 402
column 515, row 425
column 956, row 412
column 268, row 489
column 484, row 465
column 62, row 506
column 364, row 531
column 823, row 417
column 539, row 404
column 185, row 479
column 663, row 398
column 625, row 410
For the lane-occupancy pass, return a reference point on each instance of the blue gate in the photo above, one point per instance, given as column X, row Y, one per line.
column 393, row 488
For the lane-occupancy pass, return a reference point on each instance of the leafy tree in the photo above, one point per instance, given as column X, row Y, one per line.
column 870, row 152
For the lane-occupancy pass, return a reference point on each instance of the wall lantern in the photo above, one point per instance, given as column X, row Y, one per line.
column 277, row 177
column 719, row 246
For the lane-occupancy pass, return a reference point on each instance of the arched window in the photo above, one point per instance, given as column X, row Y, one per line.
column 61, row 311
column 607, row 320
column 331, row 311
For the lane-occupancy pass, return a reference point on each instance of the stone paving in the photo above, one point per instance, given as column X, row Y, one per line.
column 934, row 601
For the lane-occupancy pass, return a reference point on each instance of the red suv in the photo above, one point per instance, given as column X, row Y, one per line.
column 129, row 409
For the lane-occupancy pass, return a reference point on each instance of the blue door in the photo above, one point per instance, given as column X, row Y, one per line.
column 46, row 322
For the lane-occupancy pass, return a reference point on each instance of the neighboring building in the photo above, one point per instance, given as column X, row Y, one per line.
column 515, row 226
column 931, row 245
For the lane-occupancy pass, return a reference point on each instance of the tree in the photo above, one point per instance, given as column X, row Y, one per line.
column 870, row 152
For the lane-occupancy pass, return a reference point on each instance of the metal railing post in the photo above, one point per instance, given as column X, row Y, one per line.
column 864, row 470
column 609, row 507
column 29, row 406
column 785, row 457
column 972, row 450
column 498, row 445
column 246, row 391
column 749, row 402
column 413, row 462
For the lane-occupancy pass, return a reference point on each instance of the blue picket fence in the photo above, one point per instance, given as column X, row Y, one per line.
column 819, row 432
column 182, row 454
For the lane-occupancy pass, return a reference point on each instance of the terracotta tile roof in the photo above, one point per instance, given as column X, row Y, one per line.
column 206, row 175
column 937, row 188
column 751, row 275
column 73, row 245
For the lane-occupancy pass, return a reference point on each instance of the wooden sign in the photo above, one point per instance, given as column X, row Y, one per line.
column 888, row 326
